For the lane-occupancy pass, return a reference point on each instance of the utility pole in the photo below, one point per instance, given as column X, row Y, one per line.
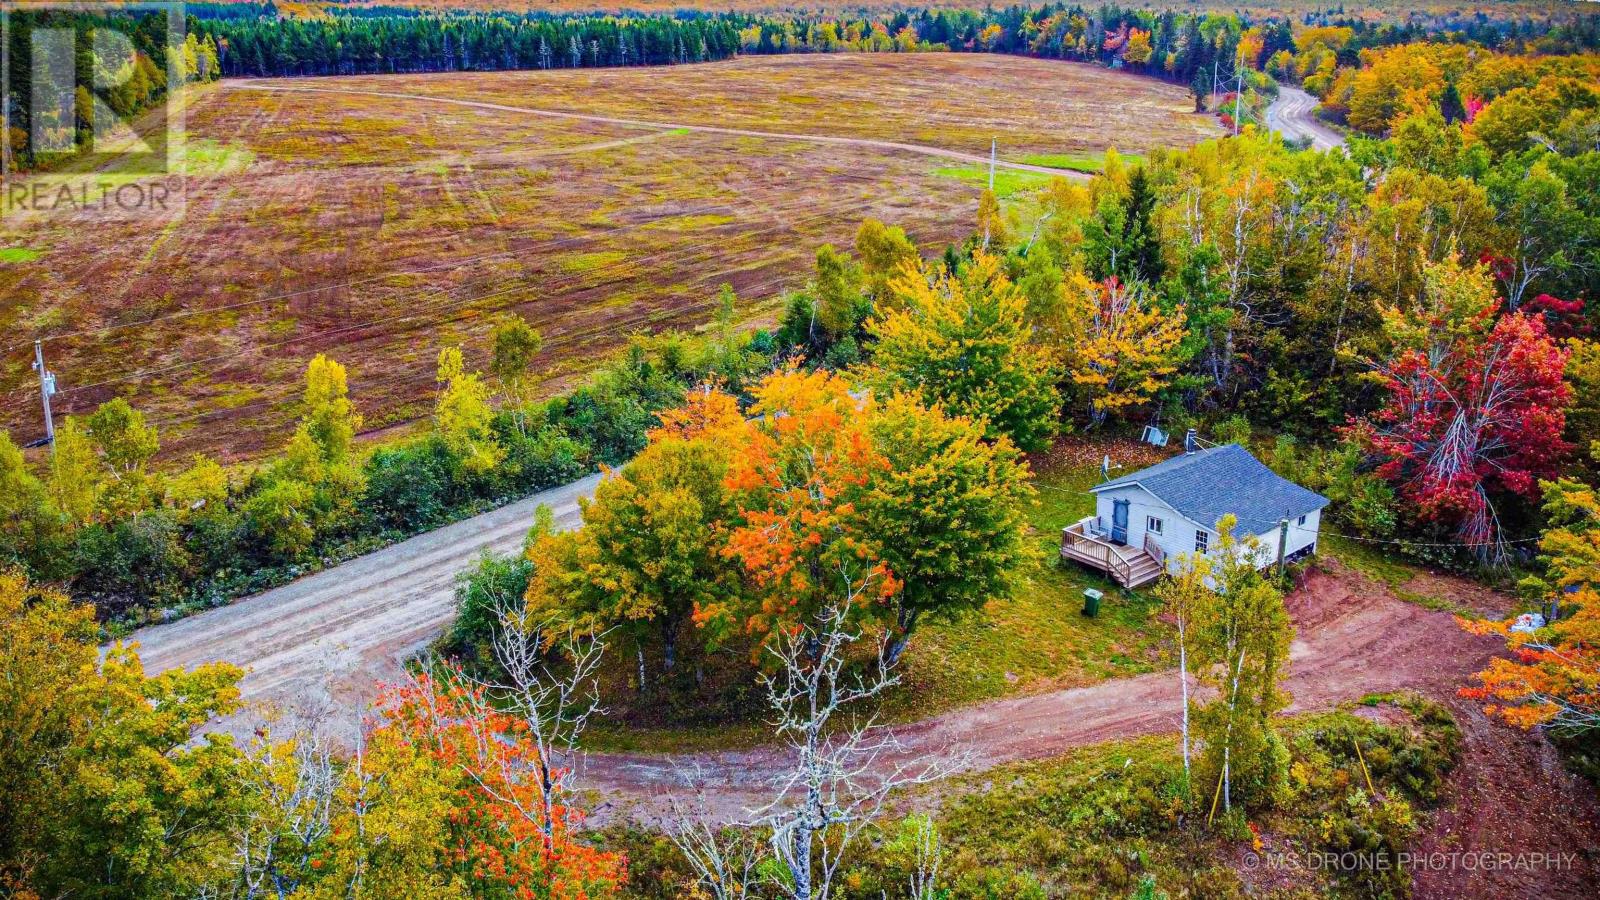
column 1283, row 544
column 993, row 143
column 47, row 387
column 1238, row 95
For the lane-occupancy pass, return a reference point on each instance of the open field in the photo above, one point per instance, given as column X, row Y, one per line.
column 377, row 228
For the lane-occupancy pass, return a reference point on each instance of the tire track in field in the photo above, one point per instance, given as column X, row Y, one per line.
column 921, row 149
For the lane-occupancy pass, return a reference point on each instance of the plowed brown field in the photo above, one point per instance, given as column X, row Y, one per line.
column 377, row 218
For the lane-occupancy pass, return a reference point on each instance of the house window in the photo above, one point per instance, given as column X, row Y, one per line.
column 1201, row 539
column 1301, row 522
column 1152, row 524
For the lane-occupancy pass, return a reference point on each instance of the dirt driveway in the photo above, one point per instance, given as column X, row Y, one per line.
column 1354, row 638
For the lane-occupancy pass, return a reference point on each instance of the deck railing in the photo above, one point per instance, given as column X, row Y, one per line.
column 1079, row 544
column 1155, row 551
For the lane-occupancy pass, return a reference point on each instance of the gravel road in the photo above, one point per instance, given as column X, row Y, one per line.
column 1291, row 116
column 320, row 645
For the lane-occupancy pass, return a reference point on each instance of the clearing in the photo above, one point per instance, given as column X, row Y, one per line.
column 378, row 226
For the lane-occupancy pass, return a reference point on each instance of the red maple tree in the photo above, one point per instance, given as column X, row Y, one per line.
column 1476, row 411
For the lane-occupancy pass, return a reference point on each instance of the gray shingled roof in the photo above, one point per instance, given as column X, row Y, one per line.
column 1209, row 484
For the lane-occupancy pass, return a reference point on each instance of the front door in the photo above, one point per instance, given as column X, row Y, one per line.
column 1119, row 521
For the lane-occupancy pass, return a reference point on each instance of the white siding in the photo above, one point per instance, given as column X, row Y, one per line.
column 1178, row 533
column 1299, row 538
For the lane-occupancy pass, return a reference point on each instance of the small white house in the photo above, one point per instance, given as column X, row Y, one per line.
column 1144, row 520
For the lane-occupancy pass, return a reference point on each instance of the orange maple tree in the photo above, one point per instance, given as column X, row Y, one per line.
column 807, row 457
column 499, row 837
column 1553, row 675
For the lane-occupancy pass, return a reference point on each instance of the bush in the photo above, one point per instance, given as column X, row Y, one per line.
column 541, row 458
column 132, row 560
column 494, row 583
column 408, row 486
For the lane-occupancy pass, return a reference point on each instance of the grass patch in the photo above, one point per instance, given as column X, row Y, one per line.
column 589, row 262
column 210, row 157
column 1007, row 182
column 1101, row 820
column 1039, row 639
column 19, row 254
column 1391, row 571
column 1090, row 163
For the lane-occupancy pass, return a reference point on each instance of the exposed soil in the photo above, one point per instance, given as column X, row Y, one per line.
column 1509, row 795
column 1353, row 638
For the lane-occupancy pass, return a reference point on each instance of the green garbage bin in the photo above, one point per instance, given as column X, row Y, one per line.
column 1091, row 602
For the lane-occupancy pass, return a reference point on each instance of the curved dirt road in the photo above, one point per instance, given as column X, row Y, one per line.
column 1354, row 637
column 920, row 149
column 318, row 647
column 1291, row 116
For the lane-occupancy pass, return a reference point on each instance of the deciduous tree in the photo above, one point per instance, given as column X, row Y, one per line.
column 962, row 342
column 1241, row 636
column 463, row 417
column 945, row 515
column 1131, row 346
column 514, row 345
column 1553, row 674
column 1474, row 406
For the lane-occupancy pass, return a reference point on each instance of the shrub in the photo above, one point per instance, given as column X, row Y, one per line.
column 494, row 583
column 278, row 517
column 541, row 458
column 132, row 560
column 408, row 486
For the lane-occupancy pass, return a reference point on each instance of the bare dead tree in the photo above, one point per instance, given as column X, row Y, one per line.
column 723, row 856
column 927, row 857
column 838, row 777
column 550, row 682
column 296, row 780
column 841, row 776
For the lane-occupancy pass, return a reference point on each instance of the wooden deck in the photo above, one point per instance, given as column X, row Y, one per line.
column 1128, row 566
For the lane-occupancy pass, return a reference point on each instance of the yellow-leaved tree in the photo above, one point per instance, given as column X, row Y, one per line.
column 1131, row 347
column 962, row 342
column 463, row 417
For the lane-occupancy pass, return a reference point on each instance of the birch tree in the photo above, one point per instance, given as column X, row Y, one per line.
column 1182, row 595
column 549, row 682
column 1240, row 641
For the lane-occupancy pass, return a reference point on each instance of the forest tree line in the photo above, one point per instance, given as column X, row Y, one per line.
column 1180, row 47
